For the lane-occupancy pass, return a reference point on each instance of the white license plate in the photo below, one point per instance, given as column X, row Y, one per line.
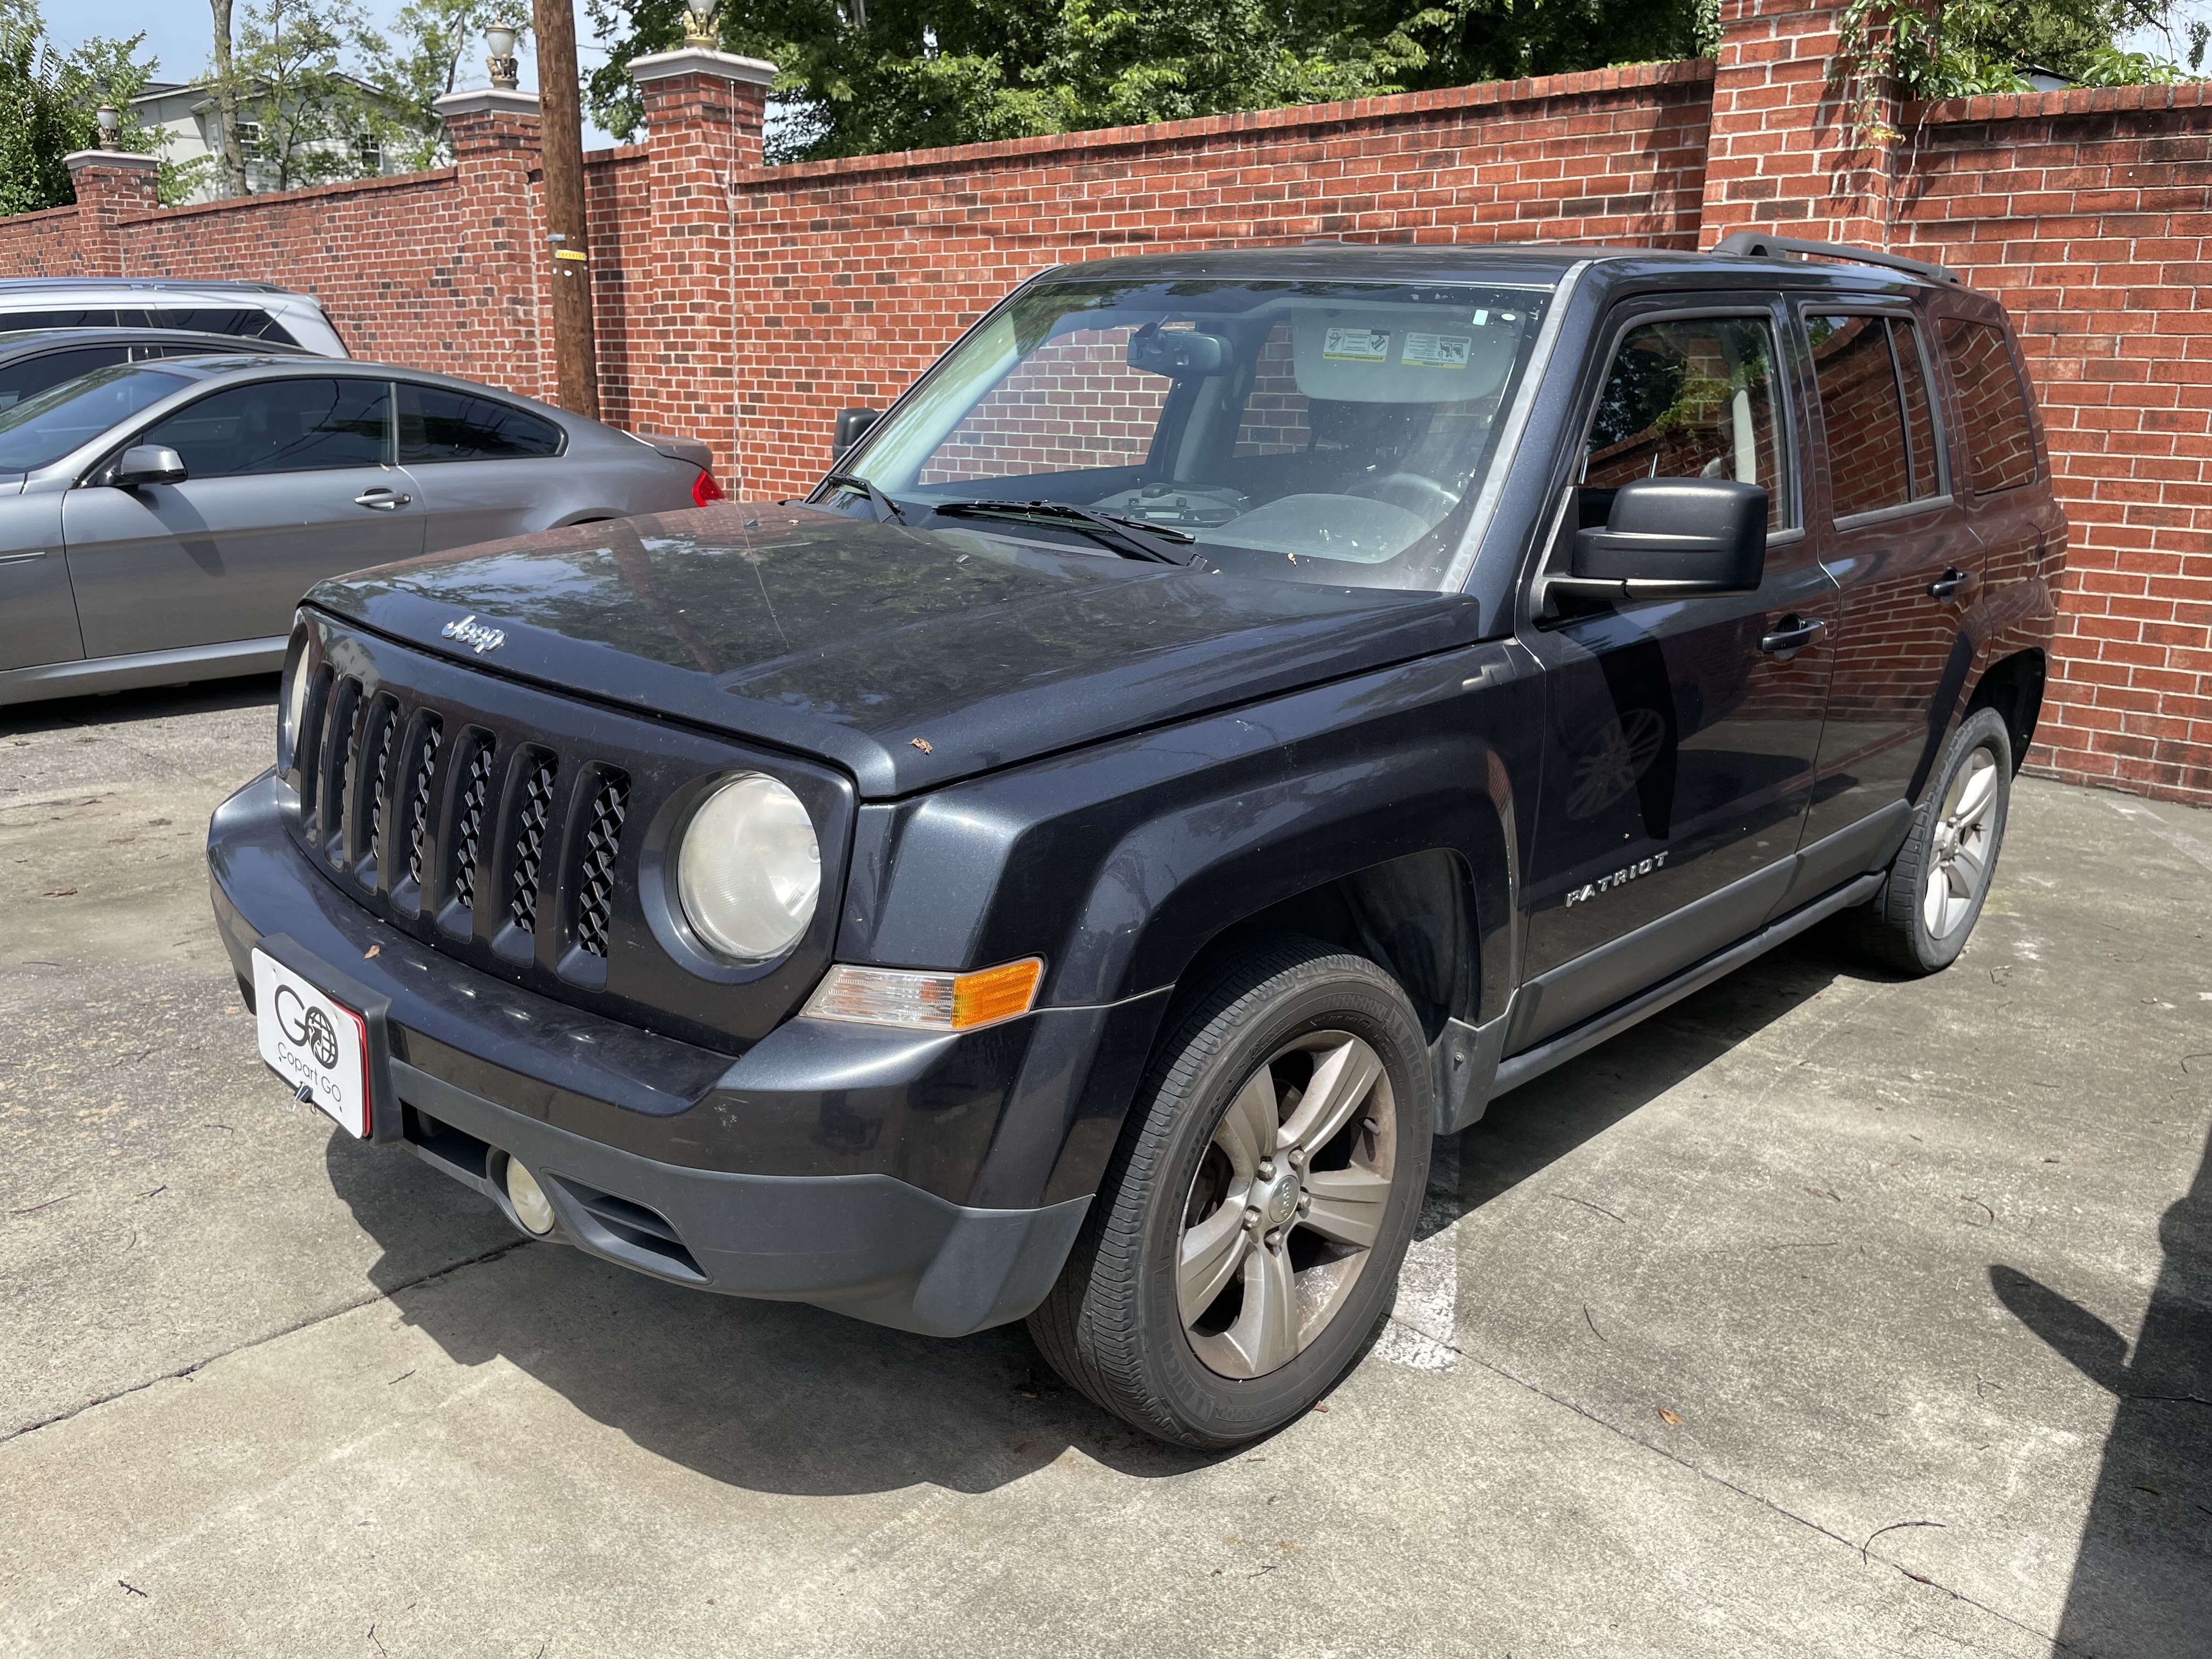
column 307, row 1039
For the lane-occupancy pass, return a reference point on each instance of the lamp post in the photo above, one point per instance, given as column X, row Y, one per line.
column 498, row 41
column 702, row 24
column 110, row 123
column 560, row 133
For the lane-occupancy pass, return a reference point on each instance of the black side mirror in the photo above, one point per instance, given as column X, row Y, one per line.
column 852, row 424
column 148, row 464
column 1673, row 539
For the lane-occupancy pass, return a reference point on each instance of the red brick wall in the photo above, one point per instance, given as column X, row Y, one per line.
column 2089, row 214
column 744, row 304
column 39, row 244
column 858, row 273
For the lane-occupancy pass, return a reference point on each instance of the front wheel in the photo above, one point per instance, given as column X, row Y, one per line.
column 1920, row 920
column 1245, row 1244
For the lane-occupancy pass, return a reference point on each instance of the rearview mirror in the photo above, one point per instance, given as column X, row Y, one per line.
column 148, row 464
column 1177, row 353
column 851, row 424
column 1673, row 539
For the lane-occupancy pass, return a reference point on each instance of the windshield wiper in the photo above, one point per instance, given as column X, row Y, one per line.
column 1120, row 534
column 886, row 508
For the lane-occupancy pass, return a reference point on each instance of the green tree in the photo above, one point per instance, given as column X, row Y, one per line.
column 48, row 107
column 1960, row 48
column 878, row 75
column 435, row 39
column 291, row 84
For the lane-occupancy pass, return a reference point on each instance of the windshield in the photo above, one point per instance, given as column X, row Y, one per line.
column 42, row 429
column 1323, row 432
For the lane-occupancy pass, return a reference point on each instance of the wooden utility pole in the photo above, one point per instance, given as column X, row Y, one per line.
column 561, row 123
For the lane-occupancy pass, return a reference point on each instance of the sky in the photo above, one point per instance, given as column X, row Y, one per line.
column 180, row 33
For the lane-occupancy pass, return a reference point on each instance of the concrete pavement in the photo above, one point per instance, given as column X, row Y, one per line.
column 1822, row 1315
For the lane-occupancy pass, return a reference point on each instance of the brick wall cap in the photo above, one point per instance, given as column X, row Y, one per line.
column 2067, row 100
column 77, row 160
column 700, row 60
column 485, row 101
column 1260, row 123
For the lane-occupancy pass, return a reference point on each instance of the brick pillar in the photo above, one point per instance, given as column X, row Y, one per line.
column 108, row 183
column 1790, row 153
column 703, row 115
column 494, row 277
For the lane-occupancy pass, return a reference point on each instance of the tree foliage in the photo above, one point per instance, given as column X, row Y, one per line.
column 49, row 101
column 439, row 48
column 866, row 75
column 291, row 84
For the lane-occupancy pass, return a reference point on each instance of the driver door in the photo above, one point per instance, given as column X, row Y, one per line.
column 1682, row 732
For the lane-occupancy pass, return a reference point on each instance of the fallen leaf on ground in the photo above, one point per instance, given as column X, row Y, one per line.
column 1665, row 1416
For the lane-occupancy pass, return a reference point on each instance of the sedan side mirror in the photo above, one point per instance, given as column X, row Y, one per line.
column 148, row 464
column 1673, row 539
column 852, row 424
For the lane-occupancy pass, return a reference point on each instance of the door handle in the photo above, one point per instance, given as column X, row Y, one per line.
column 380, row 497
column 22, row 558
column 1793, row 636
column 1947, row 585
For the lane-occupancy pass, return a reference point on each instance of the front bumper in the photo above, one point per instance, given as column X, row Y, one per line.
column 918, row 1180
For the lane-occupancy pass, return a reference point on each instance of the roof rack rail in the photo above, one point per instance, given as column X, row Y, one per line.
column 1757, row 245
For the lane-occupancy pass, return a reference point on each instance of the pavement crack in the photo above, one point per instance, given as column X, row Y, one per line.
column 385, row 1294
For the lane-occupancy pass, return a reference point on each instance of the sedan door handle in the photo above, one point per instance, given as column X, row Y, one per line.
column 1948, row 583
column 1793, row 636
column 386, row 499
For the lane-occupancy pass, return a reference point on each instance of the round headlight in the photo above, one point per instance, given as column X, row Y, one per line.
column 749, row 871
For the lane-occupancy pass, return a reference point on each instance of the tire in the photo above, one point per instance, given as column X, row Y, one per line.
column 1300, row 1034
column 1902, row 929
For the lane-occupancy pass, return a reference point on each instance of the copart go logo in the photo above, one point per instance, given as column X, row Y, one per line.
column 308, row 1027
column 475, row 635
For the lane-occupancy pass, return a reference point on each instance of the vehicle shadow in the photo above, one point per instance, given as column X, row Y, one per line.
column 151, row 703
column 1534, row 1127
column 780, row 1397
column 2142, row 1579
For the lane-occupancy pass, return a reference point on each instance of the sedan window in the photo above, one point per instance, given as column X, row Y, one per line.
column 28, row 375
column 44, row 428
column 437, row 424
column 281, row 426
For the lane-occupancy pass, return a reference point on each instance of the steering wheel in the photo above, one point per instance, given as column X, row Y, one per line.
column 1416, row 492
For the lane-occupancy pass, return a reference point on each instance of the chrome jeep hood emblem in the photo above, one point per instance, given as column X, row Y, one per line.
column 474, row 635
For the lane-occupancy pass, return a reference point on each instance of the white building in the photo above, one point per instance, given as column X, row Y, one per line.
column 187, row 113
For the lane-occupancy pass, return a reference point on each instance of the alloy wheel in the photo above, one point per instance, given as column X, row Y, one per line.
column 1287, row 1203
column 1959, row 866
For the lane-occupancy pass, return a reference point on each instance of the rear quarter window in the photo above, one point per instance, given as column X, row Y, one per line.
column 1994, row 422
column 437, row 424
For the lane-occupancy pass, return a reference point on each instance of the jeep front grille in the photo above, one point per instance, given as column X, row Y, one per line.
column 468, row 825
column 595, row 867
column 533, row 815
column 418, row 795
column 522, row 831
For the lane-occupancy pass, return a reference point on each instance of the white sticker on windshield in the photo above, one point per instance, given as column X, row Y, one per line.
column 1437, row 350
column 1359, row 345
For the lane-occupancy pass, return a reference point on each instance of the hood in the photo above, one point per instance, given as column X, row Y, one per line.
column 909, row 657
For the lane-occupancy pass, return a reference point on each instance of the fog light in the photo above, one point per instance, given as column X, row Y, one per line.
column 532, row 1207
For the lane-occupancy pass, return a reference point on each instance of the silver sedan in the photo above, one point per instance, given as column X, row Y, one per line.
column 159, row 521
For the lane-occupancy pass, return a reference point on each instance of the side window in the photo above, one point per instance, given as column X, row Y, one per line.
column 1692, row 398
column 1862, row 414
column 1919, row 412
column 1993, row 416
column 19, row 380
column 281, row 426
column 436, row 424
column 245, row 324
column 99, row 317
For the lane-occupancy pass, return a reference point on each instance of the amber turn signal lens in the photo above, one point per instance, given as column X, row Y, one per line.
column 926, row 1002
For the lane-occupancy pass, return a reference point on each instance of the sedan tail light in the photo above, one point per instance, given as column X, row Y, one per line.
column 705, row 489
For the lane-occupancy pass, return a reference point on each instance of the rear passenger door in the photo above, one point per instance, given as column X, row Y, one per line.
column 486, row 469
column 1892, row 534
column 1679, row 757
column 291, row 480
